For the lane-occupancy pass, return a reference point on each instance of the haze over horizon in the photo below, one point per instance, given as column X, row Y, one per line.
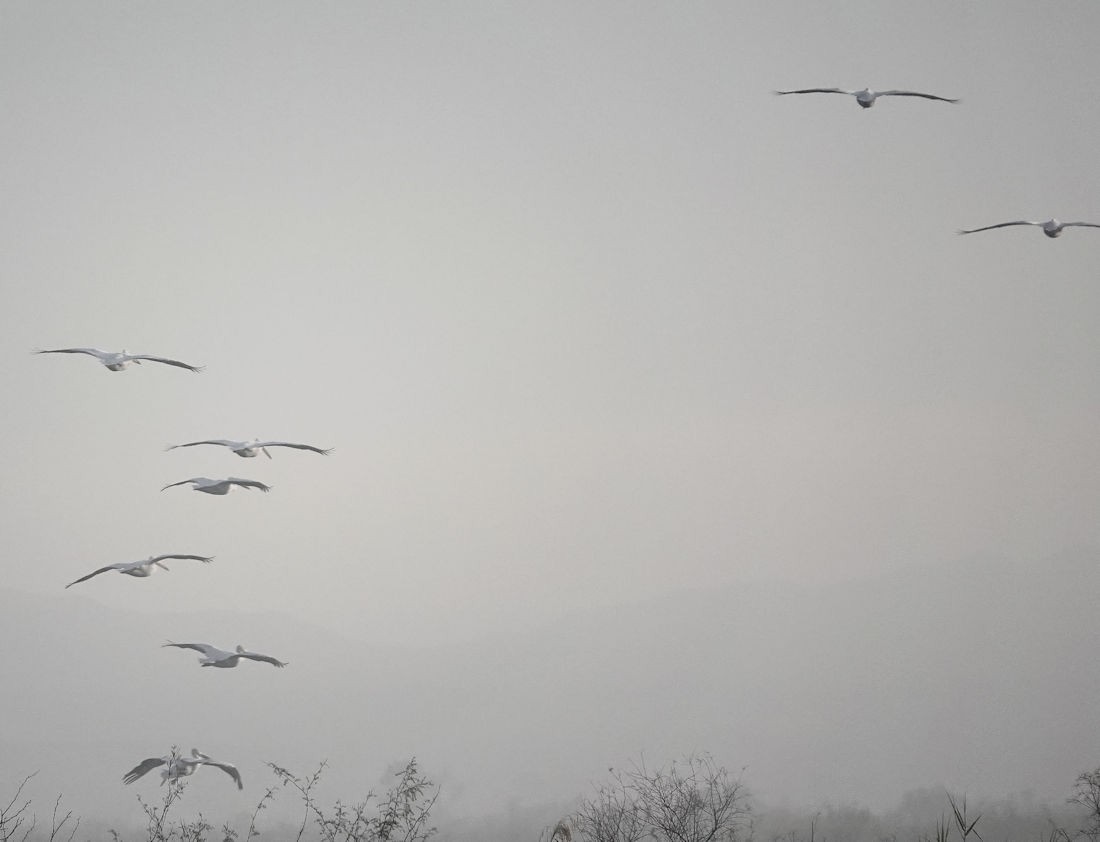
column 591, row 320
column 912, row 679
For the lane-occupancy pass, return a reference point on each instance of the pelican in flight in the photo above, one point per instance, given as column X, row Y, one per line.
column 176, row 767
column 218, row 486
column 212, row 656
column 141, row 568
column 1052, row 227
column 252, row 448
column 866, row 98
column 118, row 360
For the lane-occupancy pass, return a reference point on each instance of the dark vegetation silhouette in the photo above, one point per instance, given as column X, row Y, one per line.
column 18, row 823
column 693, row 799
column 1086, row 795
column 401, row 814
column 696, row 800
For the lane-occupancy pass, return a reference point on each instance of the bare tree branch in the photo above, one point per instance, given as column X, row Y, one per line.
column 692, row 800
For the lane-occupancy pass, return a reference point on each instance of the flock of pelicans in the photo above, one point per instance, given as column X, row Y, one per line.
column 866, row 98
column 173, row 767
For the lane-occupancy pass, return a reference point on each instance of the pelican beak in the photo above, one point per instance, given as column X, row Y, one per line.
column 264, row 449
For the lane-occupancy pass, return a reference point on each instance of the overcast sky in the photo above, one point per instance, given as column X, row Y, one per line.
column 586, row 312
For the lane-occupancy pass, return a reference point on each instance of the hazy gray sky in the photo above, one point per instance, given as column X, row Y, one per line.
column 586, row 312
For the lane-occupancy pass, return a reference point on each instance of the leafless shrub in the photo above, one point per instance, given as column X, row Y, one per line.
column 14, row 815
column 56, row 827
column 400, row 816
column 560, row 832
column 16, row 823
column 692, row 800
column 1086, row 794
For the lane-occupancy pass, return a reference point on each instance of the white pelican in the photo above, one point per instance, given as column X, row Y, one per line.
column 1052, row 227
column 141, row 568
column 176, row 767
column 866, row 97
column 218, row 486
column 118, row 360
column 212, row 656
column 252, row 448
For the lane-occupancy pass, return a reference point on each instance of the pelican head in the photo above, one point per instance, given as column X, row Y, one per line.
column 1052, row 228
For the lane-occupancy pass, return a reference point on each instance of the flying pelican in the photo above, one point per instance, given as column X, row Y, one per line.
column 866, row 98
column 252, row 448
column 141, row 568
column 218, row 486
column 1052, row 227
column 176, row 767
column 118, row 360
column 212, row 656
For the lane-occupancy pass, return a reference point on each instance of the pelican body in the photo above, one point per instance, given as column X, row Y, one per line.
column 212, row 656
column 176, row 767
column 142, row 569
column 1052, row 227
column 218, row 486
column 119, row 360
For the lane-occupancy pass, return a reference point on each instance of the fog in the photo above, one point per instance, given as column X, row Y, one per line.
column 667, row 415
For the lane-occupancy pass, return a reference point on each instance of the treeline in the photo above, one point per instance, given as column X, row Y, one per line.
column 696, row 800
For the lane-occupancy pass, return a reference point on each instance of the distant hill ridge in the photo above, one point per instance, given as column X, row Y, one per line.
column 980, row 674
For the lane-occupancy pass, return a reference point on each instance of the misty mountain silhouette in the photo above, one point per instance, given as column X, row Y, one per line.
column 979, row 674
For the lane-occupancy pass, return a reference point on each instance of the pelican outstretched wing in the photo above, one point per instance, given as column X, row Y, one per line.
column 229, row 769
column 998, row 225
column 144, row 766
column 95, row 573
column 249, row 483
column 184, row 482
column 916, row 93
column 254, row 656
column 222, row 442
column 206, row 649
column 176, row 363
column 816, row 91
column 95, row 352
column 322, row 451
